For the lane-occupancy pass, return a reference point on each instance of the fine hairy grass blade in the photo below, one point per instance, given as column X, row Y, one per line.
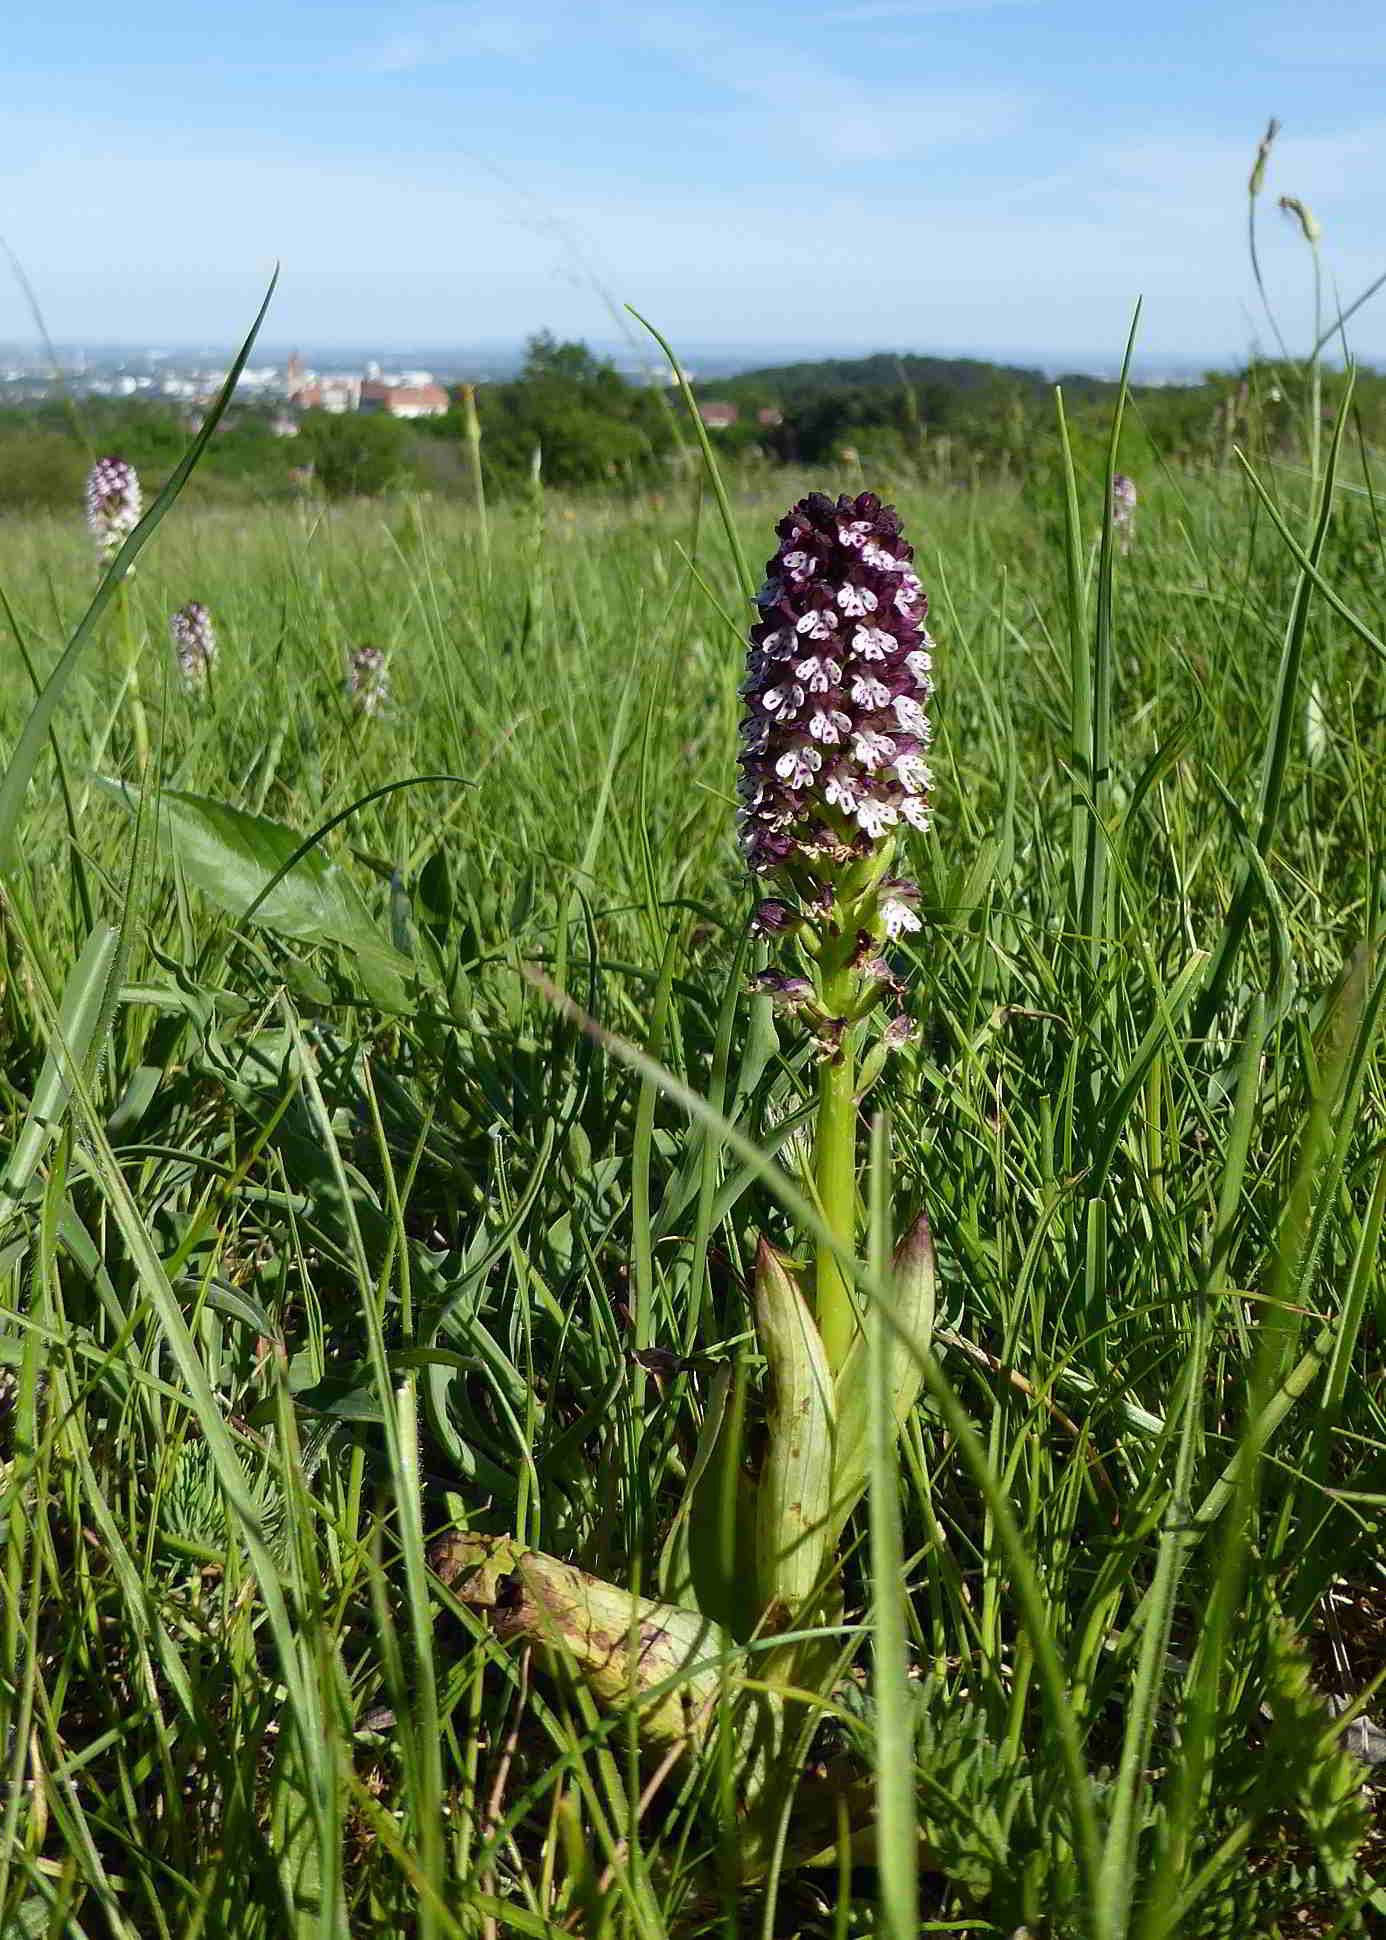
column 1284, row 715
column 729, row 526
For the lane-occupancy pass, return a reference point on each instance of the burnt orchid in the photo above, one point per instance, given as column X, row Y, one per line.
column 834, row 770
column 835, row 774
column 113, row 505
column 368, row 681
column 1124, row 497
column 194, row 642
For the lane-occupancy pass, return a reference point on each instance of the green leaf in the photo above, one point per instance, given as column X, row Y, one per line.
column 796, row 1482
column 244, row 862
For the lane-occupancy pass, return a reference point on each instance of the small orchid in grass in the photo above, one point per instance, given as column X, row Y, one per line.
column 1124, row 497
column 194, row 642
column 368, row 681
column 113, row 504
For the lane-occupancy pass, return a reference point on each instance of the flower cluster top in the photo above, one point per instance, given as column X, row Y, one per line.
column 194, row 641
column 835, row 734
column 113, row 504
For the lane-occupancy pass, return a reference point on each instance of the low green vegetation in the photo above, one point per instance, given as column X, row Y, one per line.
column 393, row 1128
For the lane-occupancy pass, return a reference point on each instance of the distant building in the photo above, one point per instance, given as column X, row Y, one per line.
column 402, row 400
column 336, row 394
column 718, row 416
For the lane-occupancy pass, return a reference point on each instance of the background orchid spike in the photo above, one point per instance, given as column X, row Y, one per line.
column 194, row 642
column 113, row 504
column 1124, row 497
column 368, row 681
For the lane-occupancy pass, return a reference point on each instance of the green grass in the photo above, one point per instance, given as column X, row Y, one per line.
column 310, row 1254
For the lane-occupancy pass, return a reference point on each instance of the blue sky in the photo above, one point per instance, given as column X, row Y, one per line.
column 993, row 175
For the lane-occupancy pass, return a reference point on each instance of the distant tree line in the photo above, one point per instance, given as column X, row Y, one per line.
column 574, row 421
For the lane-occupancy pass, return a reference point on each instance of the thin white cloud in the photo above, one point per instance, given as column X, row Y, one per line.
column 872, row 12
column 444, row 34
column 808, row 110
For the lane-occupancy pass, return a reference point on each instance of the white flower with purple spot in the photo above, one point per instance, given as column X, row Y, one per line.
column 911, row 715
column 873, row 643
column 913, row 773
column 873, row 750
column 818, row 673
column 898, row 917
column 920, row 664
column 830, row 725
column 856, row 600
column 782, row 703
column 818, row 623
column 797, row 766
column 915, row 809
column 867, row 691
column 874, row 817
column 843, row 791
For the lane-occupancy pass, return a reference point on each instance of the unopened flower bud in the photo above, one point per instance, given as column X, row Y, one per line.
column 787, row 993
column 773, row 918
column 113, row 504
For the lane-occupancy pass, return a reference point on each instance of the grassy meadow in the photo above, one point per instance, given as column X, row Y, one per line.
column 336, row 1228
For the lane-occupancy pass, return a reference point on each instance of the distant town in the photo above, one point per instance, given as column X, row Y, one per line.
column 411, row 384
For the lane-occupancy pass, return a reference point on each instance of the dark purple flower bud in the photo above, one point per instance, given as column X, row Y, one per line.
column 773, row 918
column 835, row 733
column 368, row 681
column 788, row 993
column 194, row 642
column 113, row 504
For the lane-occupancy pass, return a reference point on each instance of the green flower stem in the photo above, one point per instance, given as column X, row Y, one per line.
column 835, row 1171
column 132, row 678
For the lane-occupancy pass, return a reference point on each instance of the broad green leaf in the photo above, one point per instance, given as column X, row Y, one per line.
column 796, row 1481
column 247, row 863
